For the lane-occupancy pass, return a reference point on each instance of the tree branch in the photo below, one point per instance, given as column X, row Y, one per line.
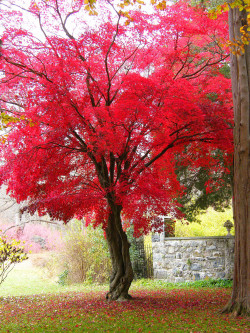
column 18, row 225
column 29, row 70
column 106, row 60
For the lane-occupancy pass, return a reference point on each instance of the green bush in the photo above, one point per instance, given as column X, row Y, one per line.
column 84, row 257
column 62, row 278
column 210, row 283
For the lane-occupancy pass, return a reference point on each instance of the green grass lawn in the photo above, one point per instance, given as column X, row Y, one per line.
column 31, row 303
column 26, row 279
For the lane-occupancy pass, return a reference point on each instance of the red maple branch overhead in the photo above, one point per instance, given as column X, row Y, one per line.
column 101, row 115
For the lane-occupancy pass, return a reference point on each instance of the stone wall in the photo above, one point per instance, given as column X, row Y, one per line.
column 192, row 258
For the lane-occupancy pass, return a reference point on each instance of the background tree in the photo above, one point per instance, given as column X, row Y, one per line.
column 240, row 71
column 239, row 18
column 206, row 186
column 102, row 113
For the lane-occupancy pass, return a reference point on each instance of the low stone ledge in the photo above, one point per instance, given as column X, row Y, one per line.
column 197, row 238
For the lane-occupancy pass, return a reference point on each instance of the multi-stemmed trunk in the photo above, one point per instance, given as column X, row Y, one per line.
column 240, row 69
column 122, row 272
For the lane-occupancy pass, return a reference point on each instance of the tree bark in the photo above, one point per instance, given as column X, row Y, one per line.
column 240, row 70
column 122, row 273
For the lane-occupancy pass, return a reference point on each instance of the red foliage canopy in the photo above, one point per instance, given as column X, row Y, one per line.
column 104, row 114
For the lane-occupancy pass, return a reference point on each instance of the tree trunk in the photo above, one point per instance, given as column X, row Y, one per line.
column 122, row 272
column 240, row 70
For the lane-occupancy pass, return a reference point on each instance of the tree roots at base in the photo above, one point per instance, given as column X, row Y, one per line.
column 236, row 309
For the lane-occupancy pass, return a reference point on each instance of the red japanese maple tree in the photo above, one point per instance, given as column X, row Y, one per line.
column 101, row 115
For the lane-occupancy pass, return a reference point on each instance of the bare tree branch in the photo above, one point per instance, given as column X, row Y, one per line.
column 18, row 225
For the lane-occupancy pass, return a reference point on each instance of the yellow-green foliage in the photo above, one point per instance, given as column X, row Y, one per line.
column 147, row 240
column 6, row 119
column 85, row 256
column 211, row 225
column 11, row 252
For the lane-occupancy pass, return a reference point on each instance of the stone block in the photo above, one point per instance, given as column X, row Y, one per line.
column 166, row 266
column 157, row 256
column 185, row 267
column 160, row 274
column 197, row 253
column 196, row 243
column 179, row 280
column 189, row 250
column 177, row 272
column 203, row 276
column 211, row 258
column 171, row 249
column 156, row 249
column 159, row 264
column 218, row 254
column 199, row 259
column 182, row 249
column 195, row 267
column 220, row 275
column 169, row 256
column 211, row 248
column 187, row 243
